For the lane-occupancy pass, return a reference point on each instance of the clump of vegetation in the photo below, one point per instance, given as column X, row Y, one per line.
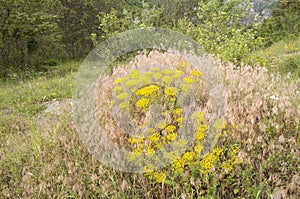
column 168, row 89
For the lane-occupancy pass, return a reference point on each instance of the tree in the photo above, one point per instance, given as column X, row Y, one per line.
column 77, row 21
column 29, row 33
column 218, row 27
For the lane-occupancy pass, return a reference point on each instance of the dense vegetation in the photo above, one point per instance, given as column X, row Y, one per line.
column 257, row 154
column 35, row 33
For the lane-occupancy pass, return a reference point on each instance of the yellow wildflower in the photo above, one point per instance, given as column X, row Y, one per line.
column 155, row 137
column 226, row 166
column 207, row 163
column 147, row 91
column 133, row 140
column 235, row 149
column 131, row 82
column 171, row 91
column 199, row 135
column 188, row 80
column 179, row 119
column 135, row 154
column 178, row 164
column 155, row 69
column 188, row 157
column 143, row 103
column 167, row 71
column 198, row 148
column 178, row 74
column 217, row 151
column 170, row 128
column 159, row 177
column 172, row 136
column 135, row 74
column 122, row 96
column 177, row 111
column 150, row 152
column 165, row 113
column 167, row 79
column 120, row 80
column 172, row 99
column 157, row 145
column 148, row 169
column 195, row 73
column 124, row 105
column 118, row 89
column 161, row 125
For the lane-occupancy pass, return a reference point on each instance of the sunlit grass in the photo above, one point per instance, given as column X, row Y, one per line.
column 283, row 57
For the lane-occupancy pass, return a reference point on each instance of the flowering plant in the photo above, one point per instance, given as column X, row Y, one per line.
column 155, row 101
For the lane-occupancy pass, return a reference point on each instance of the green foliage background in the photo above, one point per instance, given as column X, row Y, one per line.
column 35, row 33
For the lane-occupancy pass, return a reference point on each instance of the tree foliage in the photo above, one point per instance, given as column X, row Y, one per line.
column 28, row 31
column 284, row 23
column 218, row 27
column 32, row 32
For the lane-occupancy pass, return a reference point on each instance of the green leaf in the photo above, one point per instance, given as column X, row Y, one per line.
column 235, row 191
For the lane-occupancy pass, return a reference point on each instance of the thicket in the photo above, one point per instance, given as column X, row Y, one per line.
column 284, row 23
column 34, row 34
column 43, row 32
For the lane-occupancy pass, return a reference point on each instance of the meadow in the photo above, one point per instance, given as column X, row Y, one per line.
column 41, row 155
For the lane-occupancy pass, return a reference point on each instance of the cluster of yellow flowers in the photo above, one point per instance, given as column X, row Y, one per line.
column 148, row 91
column 148, row 86
column 192, row 159
column 139, row 91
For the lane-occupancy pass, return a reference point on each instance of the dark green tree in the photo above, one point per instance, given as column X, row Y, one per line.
column 28, row 32
column 78, row 19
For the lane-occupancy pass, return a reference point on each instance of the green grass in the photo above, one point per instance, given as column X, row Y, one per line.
column 20, row 103
column 41, row 155
column 283, row 57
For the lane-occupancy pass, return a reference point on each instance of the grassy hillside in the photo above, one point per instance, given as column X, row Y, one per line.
column 283, row 57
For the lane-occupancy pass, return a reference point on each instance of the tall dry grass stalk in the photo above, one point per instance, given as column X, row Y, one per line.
column 264, row 109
